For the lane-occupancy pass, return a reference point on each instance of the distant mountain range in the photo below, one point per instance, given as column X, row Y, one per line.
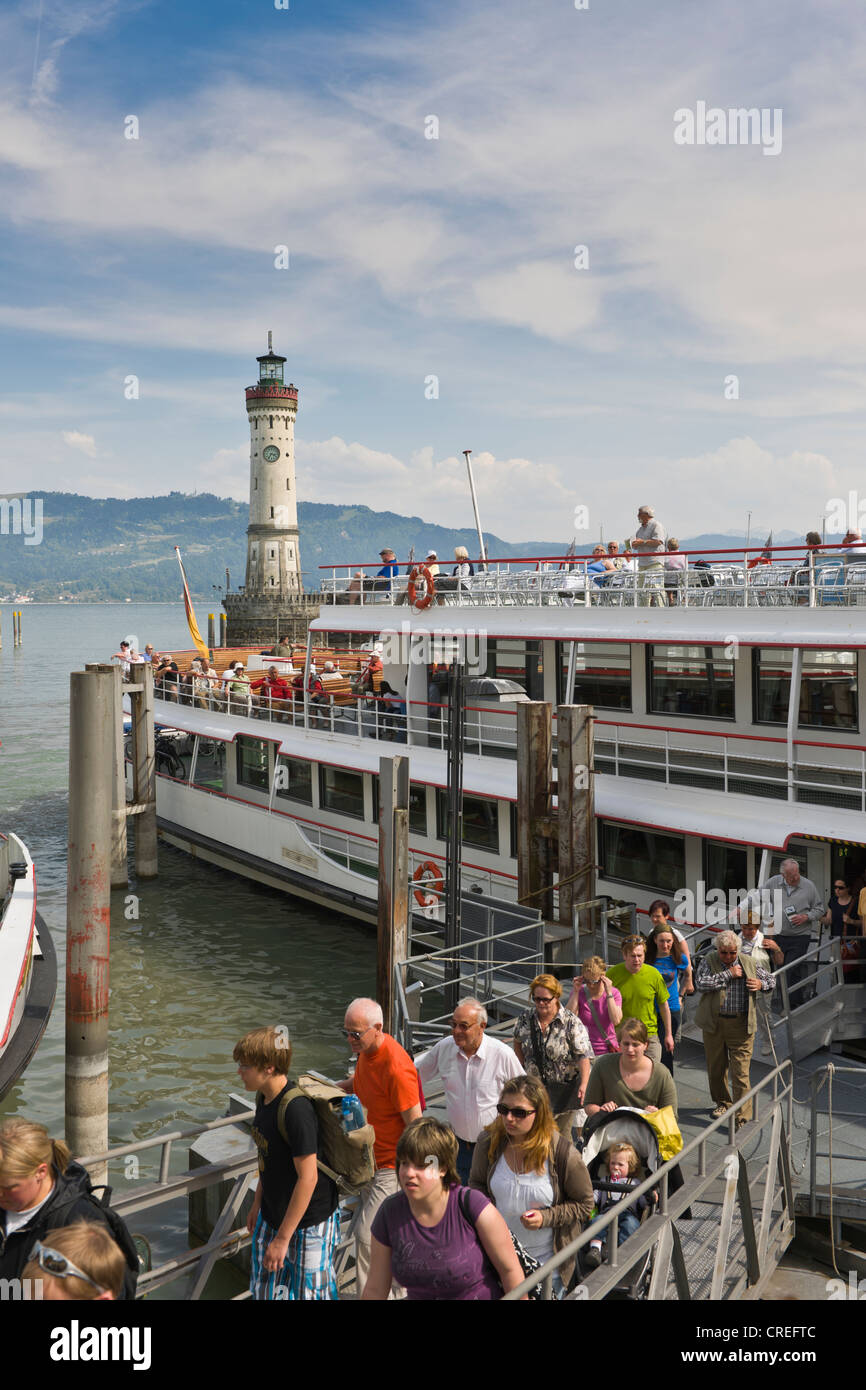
column 96, row 549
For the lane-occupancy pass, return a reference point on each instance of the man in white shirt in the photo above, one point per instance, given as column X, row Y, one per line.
column 649, row 542
column 473, row 1069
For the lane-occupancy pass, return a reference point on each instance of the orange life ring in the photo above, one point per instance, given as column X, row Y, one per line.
column 425, row 897
column 425, row 602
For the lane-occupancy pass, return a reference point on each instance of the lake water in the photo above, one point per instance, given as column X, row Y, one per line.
column 210, row 956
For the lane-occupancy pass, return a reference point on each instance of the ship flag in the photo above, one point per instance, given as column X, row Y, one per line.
column 190, row 611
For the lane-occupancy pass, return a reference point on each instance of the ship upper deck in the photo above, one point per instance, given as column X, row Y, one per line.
column 783, row 580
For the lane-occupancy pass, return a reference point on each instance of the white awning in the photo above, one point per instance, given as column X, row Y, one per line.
column 750, row 627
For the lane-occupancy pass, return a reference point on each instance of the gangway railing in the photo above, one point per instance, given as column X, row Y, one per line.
column 226, row 1240
column 838, row 1202
column 752, row 1226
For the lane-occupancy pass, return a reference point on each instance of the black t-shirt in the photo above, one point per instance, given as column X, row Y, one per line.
column 276, row 1160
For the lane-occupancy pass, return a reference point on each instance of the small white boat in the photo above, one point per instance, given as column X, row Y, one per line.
column 28, row 963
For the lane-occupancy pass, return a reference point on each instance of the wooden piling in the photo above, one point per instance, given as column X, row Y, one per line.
column 575, row 796
column 393, row 915
column 88, row 910
column 144, row 755
column 534, row 826
column 119, row 853
column 211, row 631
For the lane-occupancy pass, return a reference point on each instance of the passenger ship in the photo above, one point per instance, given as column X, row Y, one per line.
column 727, row 731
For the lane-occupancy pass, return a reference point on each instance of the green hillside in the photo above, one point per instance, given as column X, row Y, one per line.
column 110, row 548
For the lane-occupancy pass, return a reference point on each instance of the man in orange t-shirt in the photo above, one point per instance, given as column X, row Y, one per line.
column 386, row 1083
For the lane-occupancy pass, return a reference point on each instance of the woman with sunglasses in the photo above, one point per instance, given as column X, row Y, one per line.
column 78, row 1262
column 553, row 1045
column 41, row 1189
column 534, row 1175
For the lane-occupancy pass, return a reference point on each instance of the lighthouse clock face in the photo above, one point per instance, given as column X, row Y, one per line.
column 271, row 453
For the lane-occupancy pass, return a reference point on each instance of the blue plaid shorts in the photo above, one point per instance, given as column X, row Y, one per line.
column 308, row 1272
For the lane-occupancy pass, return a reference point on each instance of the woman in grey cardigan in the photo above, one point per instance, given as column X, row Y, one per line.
column 532, row 1174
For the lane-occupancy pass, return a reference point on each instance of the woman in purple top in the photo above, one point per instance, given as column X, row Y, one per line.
column 423, row 1239
column 596, row 1001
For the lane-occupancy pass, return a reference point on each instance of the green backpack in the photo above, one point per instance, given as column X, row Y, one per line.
column 347, row 1158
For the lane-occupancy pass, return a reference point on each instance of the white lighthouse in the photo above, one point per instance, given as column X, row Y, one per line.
column 273, row 554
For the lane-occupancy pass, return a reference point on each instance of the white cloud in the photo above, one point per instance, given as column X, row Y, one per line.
column 85, row 443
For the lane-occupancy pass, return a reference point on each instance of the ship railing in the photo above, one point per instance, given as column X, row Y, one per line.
column 359, row 854
column 768, row 576
column 733, row 1251
column 734, row 763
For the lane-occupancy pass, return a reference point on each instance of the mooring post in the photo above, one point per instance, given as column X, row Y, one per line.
column 393, row 915
column 575, row 797
column 119, row 864
column 223, row 629
column 211, row 631
column 88, row 910
column 144, row 755
column 534, row 829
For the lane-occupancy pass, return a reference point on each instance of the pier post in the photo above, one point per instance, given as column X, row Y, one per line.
column 211, row 632
column 88, row 910
column 144, row 753
column 534, row 776
column 575, row 796
column 119, row 864
column 223, row 626
column 393, row 915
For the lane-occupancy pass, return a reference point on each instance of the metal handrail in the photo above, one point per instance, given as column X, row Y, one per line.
column 673, row 1205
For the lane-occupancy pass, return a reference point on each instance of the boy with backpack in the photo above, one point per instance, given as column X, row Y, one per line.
column 295, row 1217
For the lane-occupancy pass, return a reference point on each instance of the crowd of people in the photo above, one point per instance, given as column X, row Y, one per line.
column 466, row 1207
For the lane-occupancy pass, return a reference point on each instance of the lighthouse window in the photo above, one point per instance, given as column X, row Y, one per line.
column 272, row 512
column 271, row 418
column 695, row 681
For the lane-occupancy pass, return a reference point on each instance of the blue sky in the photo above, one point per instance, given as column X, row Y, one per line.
column 454, row 257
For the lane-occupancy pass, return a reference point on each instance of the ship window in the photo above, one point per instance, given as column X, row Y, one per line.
column 417, row 806
column 725, row 867
column 480, row 821
column 294, row 778
column 210, row 765
column 342, row 790
column 828, row 688
column 644, row 858
column 509, row 658
column 252, row 763
column 602, row 675
column 695, row 681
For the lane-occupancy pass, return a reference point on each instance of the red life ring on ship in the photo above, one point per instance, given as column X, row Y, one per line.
column 432, row 892
column 422, row 603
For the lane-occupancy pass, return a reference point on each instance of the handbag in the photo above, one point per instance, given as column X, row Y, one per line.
column 528, row 1263
column 563, row 1094
column 611, row 1046
column 664, row 1122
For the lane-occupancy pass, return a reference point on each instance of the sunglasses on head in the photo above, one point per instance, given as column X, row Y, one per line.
column 516, row 1110
column 60, row 1266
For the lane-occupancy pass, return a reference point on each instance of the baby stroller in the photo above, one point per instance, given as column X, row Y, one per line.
column 600, row 1131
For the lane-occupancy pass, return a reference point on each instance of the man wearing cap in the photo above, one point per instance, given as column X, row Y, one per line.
column 432, row 563
column 389, row 569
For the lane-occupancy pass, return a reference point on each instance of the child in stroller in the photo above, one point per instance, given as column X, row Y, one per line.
column 605, row 1133
column 623, row 1165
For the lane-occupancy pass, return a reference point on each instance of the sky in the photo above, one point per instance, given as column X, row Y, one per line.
column 434, row 171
